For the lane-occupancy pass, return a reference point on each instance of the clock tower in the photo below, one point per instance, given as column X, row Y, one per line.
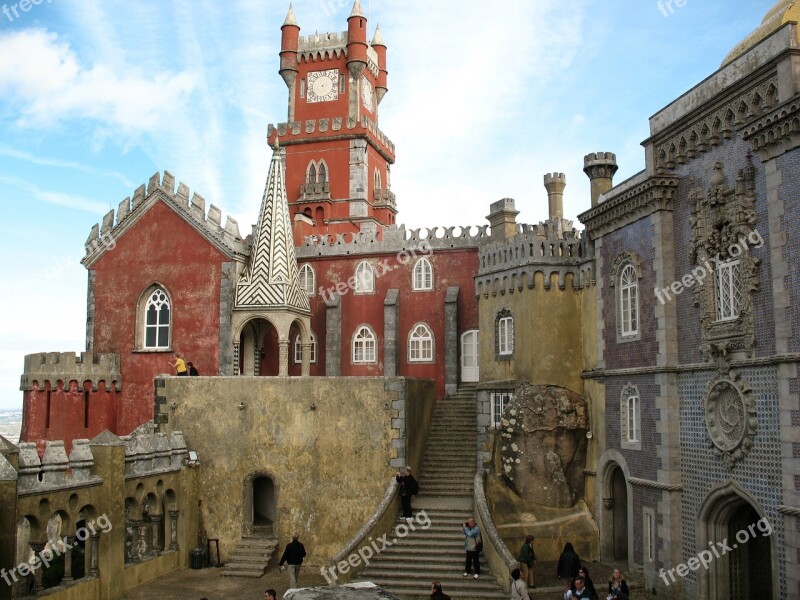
column 337, row 160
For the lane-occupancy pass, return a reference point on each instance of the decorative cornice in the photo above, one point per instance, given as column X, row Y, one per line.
column 775, row 133
column 656, row 485
column 654, row 194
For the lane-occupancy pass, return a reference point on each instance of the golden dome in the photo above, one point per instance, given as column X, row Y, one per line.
column 783, row 12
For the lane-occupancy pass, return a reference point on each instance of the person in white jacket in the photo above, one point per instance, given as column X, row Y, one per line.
column 519, row 589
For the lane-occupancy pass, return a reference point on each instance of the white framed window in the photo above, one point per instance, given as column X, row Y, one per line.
column 505, row 336
column 365, row 278
column 308, row 280
column 377, row 180
column 728, row 290
column 649, row 534
column 629, row 301
column 633, row 418
column 364, row 345
column 420, row 344
column 298, row 350
column 499, row 401
column 157, row 320
column 422, row 275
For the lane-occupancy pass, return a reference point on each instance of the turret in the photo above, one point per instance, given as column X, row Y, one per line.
column 290, row 39
column 600, row 168
column 356, row 41
column 503, row 219
column 380, row 49
column 555, row 184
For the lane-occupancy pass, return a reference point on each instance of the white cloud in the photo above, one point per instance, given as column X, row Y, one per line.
column 59, row 198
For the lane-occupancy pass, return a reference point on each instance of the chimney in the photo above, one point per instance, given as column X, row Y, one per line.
column 600, row 168
column 503, row 219
column 555, row 183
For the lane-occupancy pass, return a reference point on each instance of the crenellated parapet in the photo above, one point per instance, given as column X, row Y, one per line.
column 209, row 222
column 300, row 131
column 68, row 366
column 394, row 239
column 55, row 470
column 148, row 451
column 325, row 46
column 553, row 247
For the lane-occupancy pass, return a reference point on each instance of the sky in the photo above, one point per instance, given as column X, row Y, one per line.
column 484, row 99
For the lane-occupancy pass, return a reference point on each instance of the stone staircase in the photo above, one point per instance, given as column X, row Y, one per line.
column 252, row 554
column 436, row 553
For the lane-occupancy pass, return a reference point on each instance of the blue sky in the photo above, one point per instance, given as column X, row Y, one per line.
column 484, row 98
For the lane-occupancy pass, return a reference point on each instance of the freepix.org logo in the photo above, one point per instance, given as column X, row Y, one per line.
column 12, row 12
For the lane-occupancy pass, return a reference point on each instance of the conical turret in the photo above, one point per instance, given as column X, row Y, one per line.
column 380, row 50
column 290, row 39
column 356, row 41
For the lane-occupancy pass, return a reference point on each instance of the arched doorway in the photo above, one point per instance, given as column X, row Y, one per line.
column 619, row 495
column 744, row 569
column 260, row 505
column 259, row 348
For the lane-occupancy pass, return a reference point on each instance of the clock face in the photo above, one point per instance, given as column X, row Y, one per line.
column 323, row 86
column 367, row 96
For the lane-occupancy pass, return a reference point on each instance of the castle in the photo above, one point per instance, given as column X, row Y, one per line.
column 643, row 371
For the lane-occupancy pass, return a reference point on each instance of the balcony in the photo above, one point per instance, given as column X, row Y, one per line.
column 384, row 198
column 315, row 192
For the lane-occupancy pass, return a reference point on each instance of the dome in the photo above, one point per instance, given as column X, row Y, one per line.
column 783, row 12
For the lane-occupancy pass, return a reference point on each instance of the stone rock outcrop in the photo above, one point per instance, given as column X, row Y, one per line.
column 542, row 444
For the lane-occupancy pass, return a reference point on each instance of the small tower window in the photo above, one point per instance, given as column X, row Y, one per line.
column 322, row 176
column 308, row 280
column 302, row 88
column 342, row 81
column 311, row 174
column 423, row 275
column 377, row 179
column 365, row 278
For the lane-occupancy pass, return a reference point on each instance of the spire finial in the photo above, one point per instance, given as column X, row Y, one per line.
column 357, row 10
column 290, row 18
column 377, row 39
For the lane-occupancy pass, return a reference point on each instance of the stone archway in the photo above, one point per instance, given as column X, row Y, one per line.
column 732, row 517
column 619, row 518
column 260, row 505
column 614, row 501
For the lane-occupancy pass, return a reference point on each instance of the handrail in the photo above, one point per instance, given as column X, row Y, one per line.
column 369, row 528
column 499, row 557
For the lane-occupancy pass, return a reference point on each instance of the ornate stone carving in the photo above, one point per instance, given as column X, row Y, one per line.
column 723, row 226
column 623, row 259
column 730, row 416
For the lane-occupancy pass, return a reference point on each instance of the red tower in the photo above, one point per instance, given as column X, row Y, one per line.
column 337, row 160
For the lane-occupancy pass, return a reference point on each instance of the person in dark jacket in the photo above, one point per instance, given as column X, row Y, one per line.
column 294, row 554
column 588, row 583
column 437, row 593
column 568, row 563
column 617, row 588
column 193, row 372
column 408, row 488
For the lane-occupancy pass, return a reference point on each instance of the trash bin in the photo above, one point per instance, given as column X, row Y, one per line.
column 197, row 558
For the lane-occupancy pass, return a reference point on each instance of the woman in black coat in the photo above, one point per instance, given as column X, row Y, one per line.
column 568, row 563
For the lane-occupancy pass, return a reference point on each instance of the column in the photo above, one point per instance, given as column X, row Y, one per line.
column 257, row 351
column 390, row 321
column 236, row 359
column 144, row 548
column 283, row 358
column 306, row 368
column 333, row 337
column 94, row 548
column 451, row 340
column 37, row 574
column 70, row 541
column 173, row 529
column 156, row 521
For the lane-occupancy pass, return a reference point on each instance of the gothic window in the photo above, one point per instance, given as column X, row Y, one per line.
column 728, row 290
column 631, row 418
column 298, row 350
column 156, row 319
column 311, row 174
column 322, row 172
column 303, row 88
column 365, row 278
column 377, row 180
column 308, row 280
column 504, row 335
column 629, row 301
column 423, row 275
column 420, row 344
column 499, row 401
column 364, row 345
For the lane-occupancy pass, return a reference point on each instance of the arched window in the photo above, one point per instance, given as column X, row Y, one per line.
column 364, row 345
column 629, row 301
column 423, row 275
column 728, row 292
column 298, row 350
column 504, row 335
column 630, row 414
column 308, row 280
column 322, row 176
column 311, row 174
column 420, row 344
column 365, row 278
column 157, row 320
column 377, row 180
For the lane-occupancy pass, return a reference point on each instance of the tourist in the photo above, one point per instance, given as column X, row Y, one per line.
column 526, row 559
column 584, row 573
column 579, row 590
column 179, row 365
column 617, row 588
column 270, row 594
column 519, row 590
column 437, row 593
column 568, row 563
column 193, row 372
column 472, row 537
column 293, row 555
column 408, row 488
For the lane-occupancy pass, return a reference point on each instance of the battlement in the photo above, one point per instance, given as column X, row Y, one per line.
column 287, row 132
column 324, row 46
column 55, row 470
column 551, row 178
column 148, row 451
column 68, row 366
column 393, row 239
column 103, row 236
column 599, row 158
